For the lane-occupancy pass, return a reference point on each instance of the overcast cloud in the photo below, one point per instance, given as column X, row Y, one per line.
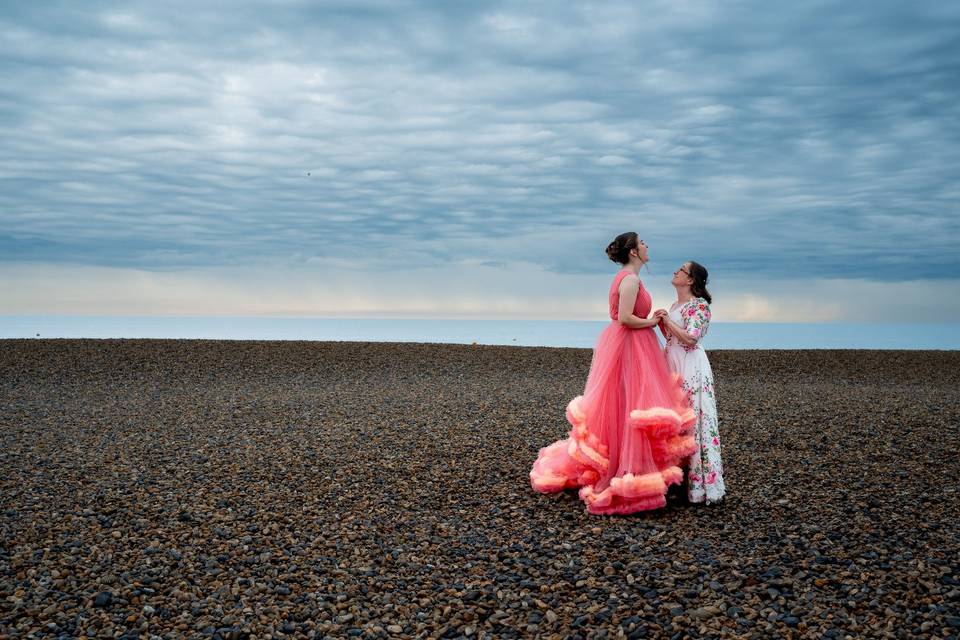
column 770, row 142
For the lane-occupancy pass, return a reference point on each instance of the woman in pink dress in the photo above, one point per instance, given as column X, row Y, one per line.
column 630, row 427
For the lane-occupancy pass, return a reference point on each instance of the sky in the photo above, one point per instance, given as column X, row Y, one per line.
column 473, row 159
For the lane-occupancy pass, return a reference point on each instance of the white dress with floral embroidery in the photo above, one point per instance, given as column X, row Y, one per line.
column 705, row 473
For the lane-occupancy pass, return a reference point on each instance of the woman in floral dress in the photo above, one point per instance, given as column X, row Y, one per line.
column 684, row 326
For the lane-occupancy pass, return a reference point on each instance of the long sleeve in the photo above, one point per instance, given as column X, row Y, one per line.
column 696, row 318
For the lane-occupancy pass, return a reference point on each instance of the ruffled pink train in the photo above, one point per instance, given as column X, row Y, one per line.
column 630, row 429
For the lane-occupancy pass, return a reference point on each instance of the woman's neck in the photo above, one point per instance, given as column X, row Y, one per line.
column 684, row 294
column 633, row 267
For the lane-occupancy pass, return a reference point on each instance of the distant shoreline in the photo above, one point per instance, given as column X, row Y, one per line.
column 375, row 343
column 277, row 341
column 528, row 333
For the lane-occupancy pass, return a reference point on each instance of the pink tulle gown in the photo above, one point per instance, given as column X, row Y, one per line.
column 630, row 427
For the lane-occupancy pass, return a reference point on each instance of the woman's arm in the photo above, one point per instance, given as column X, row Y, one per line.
column 629, row 287
column 685, row 338
column 695, row 321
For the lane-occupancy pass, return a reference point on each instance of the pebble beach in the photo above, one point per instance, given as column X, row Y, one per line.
column 227, row 489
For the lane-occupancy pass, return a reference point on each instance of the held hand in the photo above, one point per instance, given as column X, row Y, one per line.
column 659, row 314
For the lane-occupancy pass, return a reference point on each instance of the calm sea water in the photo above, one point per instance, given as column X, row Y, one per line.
column 554, row 333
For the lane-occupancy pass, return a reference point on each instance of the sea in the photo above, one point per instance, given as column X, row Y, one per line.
column 526, row 333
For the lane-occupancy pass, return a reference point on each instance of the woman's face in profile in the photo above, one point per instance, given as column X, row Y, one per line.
column 681, row 276
column 642, row 251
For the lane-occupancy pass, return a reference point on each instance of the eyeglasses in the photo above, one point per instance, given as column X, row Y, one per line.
column 682, row 270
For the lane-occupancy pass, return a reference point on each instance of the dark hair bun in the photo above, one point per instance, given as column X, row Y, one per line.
column 613, row 252
column 619, row 249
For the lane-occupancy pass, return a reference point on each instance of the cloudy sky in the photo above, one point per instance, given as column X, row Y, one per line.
column 457, row 159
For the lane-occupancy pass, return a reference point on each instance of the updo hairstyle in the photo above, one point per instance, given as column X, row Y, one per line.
column 619, row 250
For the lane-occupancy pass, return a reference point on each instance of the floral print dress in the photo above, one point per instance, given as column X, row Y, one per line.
column 705, row 472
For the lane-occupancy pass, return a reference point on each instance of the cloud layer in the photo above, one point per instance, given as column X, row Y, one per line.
column 769, row 142
column 456, row 292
